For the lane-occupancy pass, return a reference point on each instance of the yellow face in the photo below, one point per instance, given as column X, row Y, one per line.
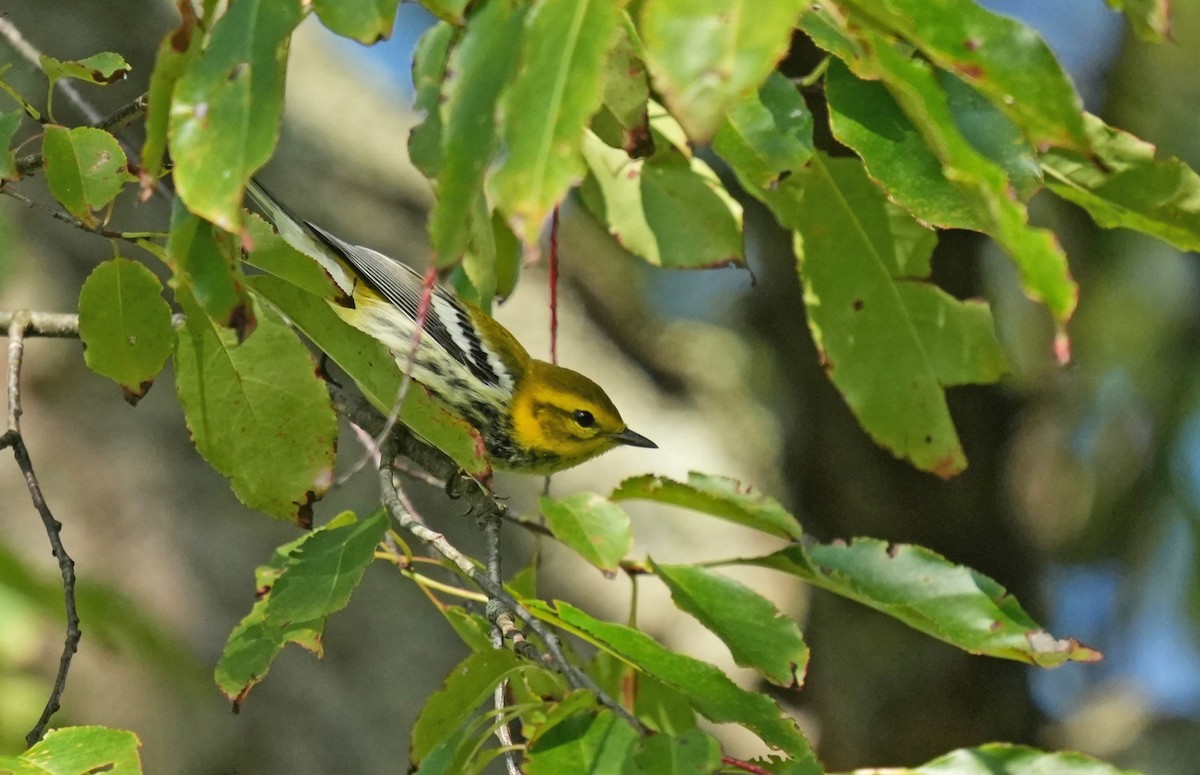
column 564, row 418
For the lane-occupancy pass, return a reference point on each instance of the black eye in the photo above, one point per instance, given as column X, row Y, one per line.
column 584, row 418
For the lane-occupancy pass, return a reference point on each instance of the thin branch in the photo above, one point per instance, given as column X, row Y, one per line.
column 557, row 658
column 491, row 532
column 134, row 239
column 18, row 324
column 399, row 442
column 29, row 52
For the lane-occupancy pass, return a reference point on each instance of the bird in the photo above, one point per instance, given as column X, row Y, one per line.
column 534, row 417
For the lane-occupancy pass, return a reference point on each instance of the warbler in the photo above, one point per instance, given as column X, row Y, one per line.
column 534, row 417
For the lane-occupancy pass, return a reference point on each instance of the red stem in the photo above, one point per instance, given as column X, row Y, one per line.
column 554, row 287
column 729, row 761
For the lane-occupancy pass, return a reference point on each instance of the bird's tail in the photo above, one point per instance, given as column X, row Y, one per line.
column 300, row 234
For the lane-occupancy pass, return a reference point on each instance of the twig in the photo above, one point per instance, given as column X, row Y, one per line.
column 67, row 218
column 558, row 659
column 29, row 52
column 491, row 532
column 59, row 325
column 19, row 324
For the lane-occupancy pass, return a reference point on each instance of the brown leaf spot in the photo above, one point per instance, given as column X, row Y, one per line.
column 857, row 305
column 304, row 511
column 970, row 70
column 241, row 319
column 133, row 395
column 972, row 44
column 946, row 467
column 182, row 37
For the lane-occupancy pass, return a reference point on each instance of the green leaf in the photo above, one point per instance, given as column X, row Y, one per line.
column 670, row 209
column 1122, row 185
column 175, row 55
column 271, row 253
column 757, row 634
column 125, row 325
column 8, row 127
column 323, row 571
column 1037, row 254
column 207, row 264
column 466, row 688
column 864, row 117
column 367, row 21
column 1000, row 57
column 889, row 344
column 709, row 690
column 930, row 594
column 474, row 630
column 993, row 134
column 1149, row 19
column 307, row 580
column 374, row 370
column 593, row 741
column 626, row 82
column 102, row 69
column 719, row 496
column 450, row 756
column 257, row 412
column 227, row 107
column 767, row 136
column 557, row 88
column 428, row 73
column 453, row 11
column 593, row 526
column 85, row 169
column 692, row 753
column 656, row 705
column 78, row 750
column 708, row 55
column 478, row 71
column 1008, row 759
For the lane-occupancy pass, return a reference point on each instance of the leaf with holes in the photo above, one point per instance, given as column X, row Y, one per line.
column 889, row 342
column 952, row 603
column 227, row 106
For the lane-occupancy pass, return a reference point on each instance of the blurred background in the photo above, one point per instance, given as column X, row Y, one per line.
column 1082, row 496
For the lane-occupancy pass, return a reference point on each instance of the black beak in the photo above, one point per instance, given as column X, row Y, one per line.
column 633, row 439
